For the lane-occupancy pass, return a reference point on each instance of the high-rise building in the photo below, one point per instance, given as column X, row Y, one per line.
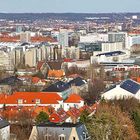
column 31, row 57
column 63, row 37
column 117, row 37
column 18, row 29
column 25, row 37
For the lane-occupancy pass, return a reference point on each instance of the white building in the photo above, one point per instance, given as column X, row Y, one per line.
column 74, row 100
column 127, row 89
column 91, row 38
column 132, row 40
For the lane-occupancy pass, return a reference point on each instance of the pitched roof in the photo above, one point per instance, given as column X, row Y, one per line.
column 57, row 87
column 3, row 123
column 35, row 80
column 10, row 80
column 130, row 86
column 77, row 82
column 30, row 98
column 73, row 112
column 59, row 116
column 39, row 64
column 74, row 98
column 56, row 73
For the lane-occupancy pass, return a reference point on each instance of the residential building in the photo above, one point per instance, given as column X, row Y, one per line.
column 65, row 131
column 25, row 37
column 74, row 100
column 28, row 99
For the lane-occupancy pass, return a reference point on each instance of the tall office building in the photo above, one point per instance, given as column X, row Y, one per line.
column 63, row 37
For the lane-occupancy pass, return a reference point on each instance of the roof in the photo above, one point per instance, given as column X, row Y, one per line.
column 56, row 73
column 3, row 123
column 35, row 80
column 114, row 53
column 74, row 112
column 62, row 86
column 77, row 82
column 39, row 64
column 62, row 129
column 55, row 65
column 59, row 116
column 130, row 86
column 74, row 98
column 57, row 87
column 69, row 125
column 30, row 98
column 10, row 80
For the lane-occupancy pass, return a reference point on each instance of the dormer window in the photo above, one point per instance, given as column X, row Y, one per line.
column 20, row 101
column 62, row 137
column 37, row 101
column 47, row 137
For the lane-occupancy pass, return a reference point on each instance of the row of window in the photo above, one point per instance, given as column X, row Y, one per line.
column 21, row 101
column 60, row 137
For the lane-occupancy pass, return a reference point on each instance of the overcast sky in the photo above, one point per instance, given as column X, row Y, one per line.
column 61, row 6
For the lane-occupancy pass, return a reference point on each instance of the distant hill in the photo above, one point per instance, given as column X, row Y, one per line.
column 68, row 16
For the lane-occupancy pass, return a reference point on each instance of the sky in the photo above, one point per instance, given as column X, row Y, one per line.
column 64, row 6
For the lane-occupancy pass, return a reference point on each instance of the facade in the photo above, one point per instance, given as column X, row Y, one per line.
column 25, row 37
column 6, row 60
column 4, row 130
column 65, row 131
column 92, row 38
column 73, row 100
column 31, row 57
column 63, row 37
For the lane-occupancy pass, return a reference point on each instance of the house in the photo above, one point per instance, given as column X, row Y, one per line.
column 39, row 82
column 62, row 88
column 31, row 99
column 59, row 116
column 78, row 84
column 126, row 89
column 74, row 100
column 9, row 84
column 64, row 131
column 56, row 74
column 4, row 130
column 43, row 67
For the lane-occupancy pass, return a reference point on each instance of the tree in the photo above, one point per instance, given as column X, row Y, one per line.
column 42, row 117
column 110, row 123
column 84, row 116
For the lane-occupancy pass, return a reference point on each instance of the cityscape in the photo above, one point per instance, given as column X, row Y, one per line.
column 69, row 75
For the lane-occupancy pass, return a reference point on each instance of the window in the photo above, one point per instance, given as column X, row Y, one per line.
column 20, row 101
column 47, row 137
column 62, row 137
column 37, row 101
column 74, row 138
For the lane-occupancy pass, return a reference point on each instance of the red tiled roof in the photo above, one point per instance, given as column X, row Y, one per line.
column 59, row 116
column 35, row 80
column 30, row 98
column 73, row 112
column 56, row 73
column 74, row 98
